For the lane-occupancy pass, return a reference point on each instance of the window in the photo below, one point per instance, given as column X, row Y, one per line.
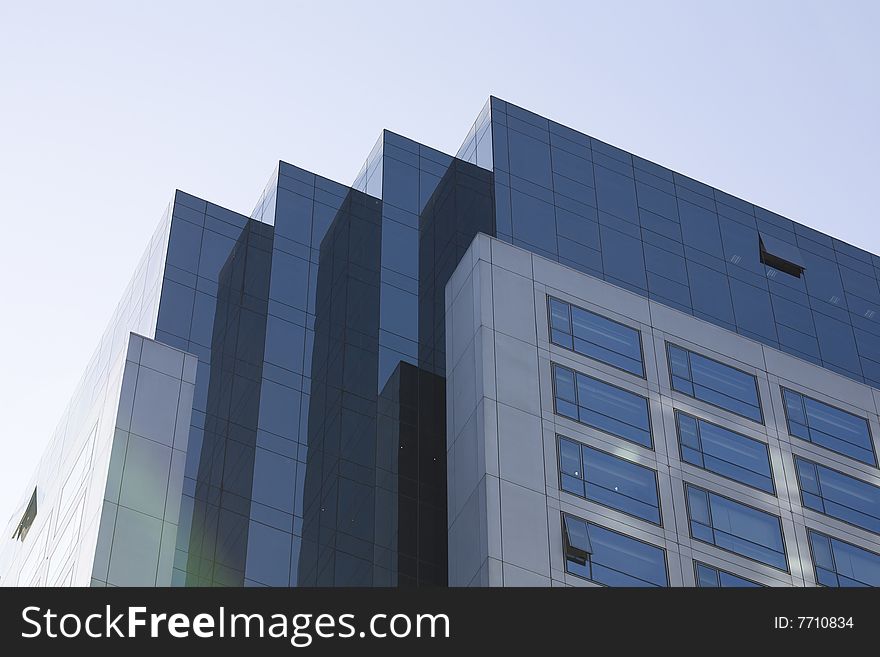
column 829, row 427
column 611, row 558
column 709, row 576
column 838, row 495
column 595, row 336
column 609, row 480
column 724, row 452
column 838, row 563
column 27, row 519
column 781, row 255
column 713, row 382
column 735, row 527
column 602, row 405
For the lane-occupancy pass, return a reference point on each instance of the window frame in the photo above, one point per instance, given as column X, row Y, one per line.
column 754, row 378
column 565, row 557
column 677, row 412
column 560, row 437
column 554, row 365
column 797, row 472
column 749, row 506
column 697, row 565
column 638, row 332
column 782, row 391
column 824, row 534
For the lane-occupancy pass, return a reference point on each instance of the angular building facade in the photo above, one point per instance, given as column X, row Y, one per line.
column 544, row 361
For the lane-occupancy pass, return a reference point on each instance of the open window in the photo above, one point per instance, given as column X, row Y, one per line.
column 30, row 513
column 577, row 540
column 781, row 255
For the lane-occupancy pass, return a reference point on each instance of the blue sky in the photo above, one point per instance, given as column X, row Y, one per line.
column 107, row 107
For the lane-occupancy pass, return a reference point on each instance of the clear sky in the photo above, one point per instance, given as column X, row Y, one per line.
column 107, row 107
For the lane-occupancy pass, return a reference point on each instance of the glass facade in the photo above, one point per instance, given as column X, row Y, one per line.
column 317, row 441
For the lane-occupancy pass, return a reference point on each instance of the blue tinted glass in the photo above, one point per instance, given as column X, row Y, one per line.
column 737, row 528
column 623, row 258
column 714, row 382
column 709, row 576
column 838, row 495
column 603, row 406
column 829, row 427
column 616, row 193
column 596, row 336
column 611, row 481
column 619, row 560
column 725, row 452
column 529, row 158
column 710, row 293
column 842, row 564
column 729, row 580
column 706, row 577
column 534, row 221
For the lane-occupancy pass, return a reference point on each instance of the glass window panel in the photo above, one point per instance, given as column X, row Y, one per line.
column 839, row 563
column 564, row 379
column 725, row 452
column 829, row 427
column 610, row 480
column 623, row 258
column 616, row 559
column 613, row 410
column 595, row 336
column 715, row 383
column 738, row 528
column 570, row 457
column 838, row 495
column 709, row 576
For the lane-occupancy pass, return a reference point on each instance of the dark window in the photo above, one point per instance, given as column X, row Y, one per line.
column 735, row 527
column 27, row 519
column 838, row 495
column 713, row 382
column 611, row 558
column 839, row 563
column 709, row 576
column 828, row 427
column 608, row 480
column 724, row 452
column 595, row 336
column 602, row 405
column 781, row 255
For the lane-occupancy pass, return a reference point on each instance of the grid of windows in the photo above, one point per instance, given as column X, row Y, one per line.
column 838, row 495
column 596, row 336
column 609, row 480
column 735, row 527
column 601, row 405
column 611, row 558
column 829, row 427
column 838, row 563
column 713, row 382
column 724, row 452
column 711, row 577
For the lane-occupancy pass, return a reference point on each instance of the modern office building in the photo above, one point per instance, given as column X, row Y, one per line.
column 544, row 361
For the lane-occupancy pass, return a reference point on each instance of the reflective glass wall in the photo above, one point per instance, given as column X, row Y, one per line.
column 606, row 212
